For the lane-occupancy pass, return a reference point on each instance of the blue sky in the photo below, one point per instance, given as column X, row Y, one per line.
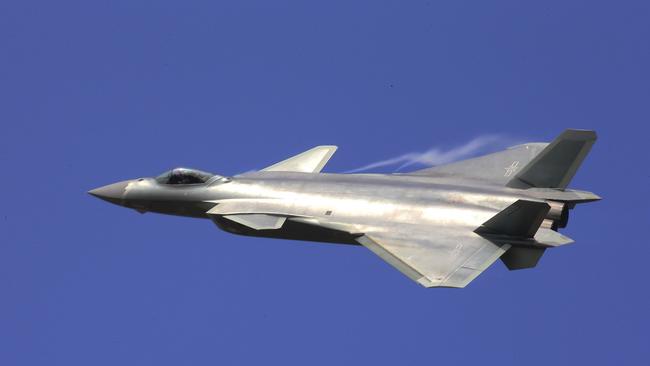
column 93, row 92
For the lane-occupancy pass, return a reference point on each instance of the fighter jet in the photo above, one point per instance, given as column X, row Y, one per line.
column 440, row 226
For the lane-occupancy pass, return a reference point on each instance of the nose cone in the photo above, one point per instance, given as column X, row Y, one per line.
column 113, row 193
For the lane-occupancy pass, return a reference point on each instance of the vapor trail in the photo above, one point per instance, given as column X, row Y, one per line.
column 437, row 156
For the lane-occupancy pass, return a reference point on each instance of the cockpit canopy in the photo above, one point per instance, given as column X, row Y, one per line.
column 184, row 176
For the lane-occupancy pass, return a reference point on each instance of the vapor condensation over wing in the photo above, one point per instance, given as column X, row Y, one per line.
column 438, row 156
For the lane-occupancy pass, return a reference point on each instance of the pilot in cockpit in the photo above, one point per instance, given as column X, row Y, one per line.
column 180, row 176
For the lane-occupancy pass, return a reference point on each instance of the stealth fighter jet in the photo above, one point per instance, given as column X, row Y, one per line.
column 440, row 226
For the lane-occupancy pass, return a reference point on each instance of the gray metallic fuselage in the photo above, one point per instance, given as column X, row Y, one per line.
column 362, row 198
column 440, row 226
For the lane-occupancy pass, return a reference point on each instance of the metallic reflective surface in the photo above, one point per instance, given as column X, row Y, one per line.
column 113, row 193
column 440, row 226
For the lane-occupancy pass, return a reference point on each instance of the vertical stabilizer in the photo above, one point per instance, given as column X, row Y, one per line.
column 556, row 165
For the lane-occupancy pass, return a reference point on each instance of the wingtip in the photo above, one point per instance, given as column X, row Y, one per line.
column 580, row 135
column 326, row 147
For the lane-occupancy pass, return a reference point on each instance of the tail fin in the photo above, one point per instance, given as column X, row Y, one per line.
column 496, row 168
column 556, row 165
column 522, row 219
column 537, row 165
column 518, row 225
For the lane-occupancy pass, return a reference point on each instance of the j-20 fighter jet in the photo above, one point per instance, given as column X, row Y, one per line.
column 440, row 226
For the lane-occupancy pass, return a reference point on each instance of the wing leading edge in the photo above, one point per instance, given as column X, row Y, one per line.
column 433, row 256
column 310, row 161
column 433, row 259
